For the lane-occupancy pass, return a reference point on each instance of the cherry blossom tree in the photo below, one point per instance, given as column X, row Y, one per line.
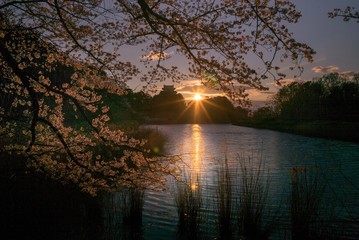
column 54, row 54
column 347, row 14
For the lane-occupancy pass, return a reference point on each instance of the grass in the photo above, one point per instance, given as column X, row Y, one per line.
column 253, row 196
column 132, row 206
column 123, row 215
column 248, row 212
column 224, row 191
column 246, row 218
column 44, row 209
column 306, row 194
column 188, row 200
column 346, row 131
column 112, row 217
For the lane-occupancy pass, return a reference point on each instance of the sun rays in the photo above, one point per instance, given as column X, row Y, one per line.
column 197, row 97
column 200, row 109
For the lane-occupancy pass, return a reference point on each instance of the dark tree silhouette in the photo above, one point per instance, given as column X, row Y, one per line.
column 331, row 97
column 168, row 106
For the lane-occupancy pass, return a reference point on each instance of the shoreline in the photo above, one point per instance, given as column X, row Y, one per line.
column 336, row 130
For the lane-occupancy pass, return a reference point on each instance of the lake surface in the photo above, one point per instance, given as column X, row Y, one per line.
column 204, row 147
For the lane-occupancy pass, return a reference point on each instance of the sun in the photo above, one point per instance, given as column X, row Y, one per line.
column 197, row 97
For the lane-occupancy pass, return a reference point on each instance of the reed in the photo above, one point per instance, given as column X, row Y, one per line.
column 188, row 200
column 306, row 194
column 253, row 195
column 132, row 209
column 123, row 215
column 224, row 192
column 112, row 217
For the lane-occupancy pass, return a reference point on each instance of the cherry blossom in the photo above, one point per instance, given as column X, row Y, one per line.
column 55, row 56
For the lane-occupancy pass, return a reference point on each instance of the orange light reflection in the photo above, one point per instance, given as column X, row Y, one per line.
column 197, row 149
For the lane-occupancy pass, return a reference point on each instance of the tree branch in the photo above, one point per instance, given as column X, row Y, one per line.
column 73, row 38
column 26, row 82
column 12, row 3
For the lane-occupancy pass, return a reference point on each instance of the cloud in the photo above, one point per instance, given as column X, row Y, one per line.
column 258, row 104
column 281, row 83
column 349, row 74
column 191, row 82
column 190, row 87
column 324, row 70
column 194, row 86
column 156, row 55
column 197, row 89
column 285, row 82
column 261, row 96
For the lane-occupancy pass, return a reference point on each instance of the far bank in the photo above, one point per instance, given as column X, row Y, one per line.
column 345, row 131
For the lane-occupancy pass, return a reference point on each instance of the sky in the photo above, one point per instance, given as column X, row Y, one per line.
column 335, row 41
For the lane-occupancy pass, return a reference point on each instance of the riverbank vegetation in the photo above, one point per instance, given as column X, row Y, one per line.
column 189, row 203
column 240, row 207
column 324, row 107
column 243, row 209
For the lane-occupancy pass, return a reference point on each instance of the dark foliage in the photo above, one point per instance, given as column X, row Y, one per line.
column 332, row 97
column 33, row 206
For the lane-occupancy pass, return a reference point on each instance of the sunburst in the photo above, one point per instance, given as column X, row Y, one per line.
column 197, row 97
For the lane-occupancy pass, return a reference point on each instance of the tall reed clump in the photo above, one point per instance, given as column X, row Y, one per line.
column 123, row 215
column 253, row 195
column 132, row 209
column 307, row 190
column 112, row 217
column 224, row 191
column 188, row 199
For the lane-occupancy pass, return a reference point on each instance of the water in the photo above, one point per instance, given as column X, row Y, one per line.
column 203, row 147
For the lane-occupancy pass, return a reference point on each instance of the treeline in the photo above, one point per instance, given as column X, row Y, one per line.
column 168, row 107
column 332, row 97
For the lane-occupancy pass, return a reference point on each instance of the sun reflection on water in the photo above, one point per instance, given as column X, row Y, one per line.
column 197, row 145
